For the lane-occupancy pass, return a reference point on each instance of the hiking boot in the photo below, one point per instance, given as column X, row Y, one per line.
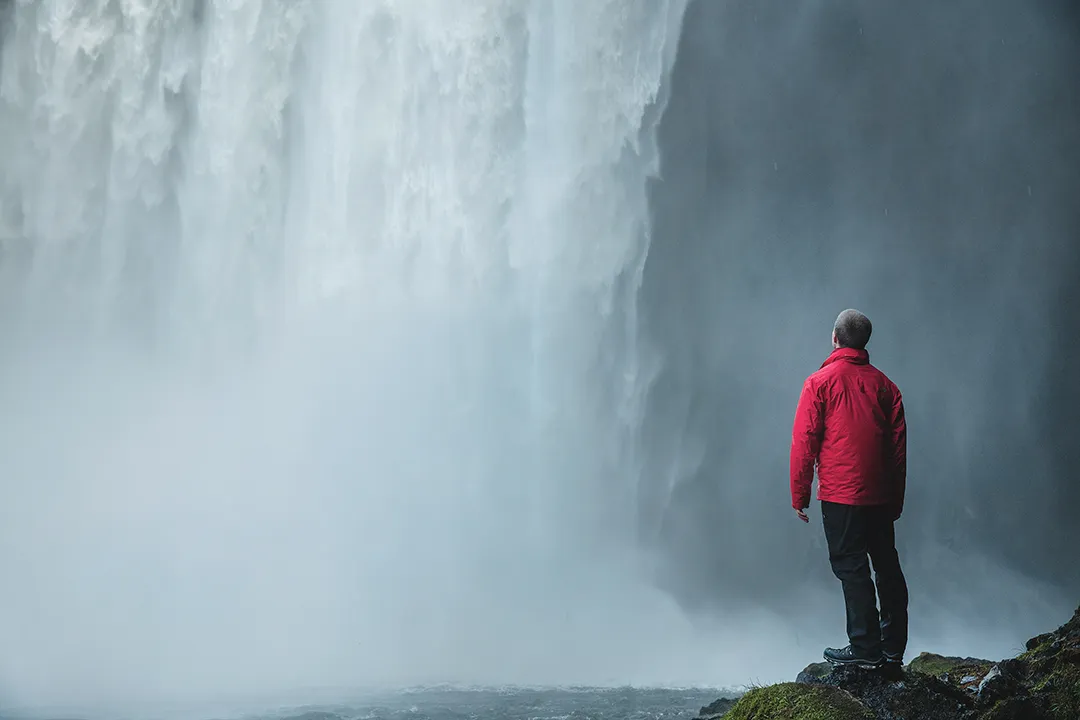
column 892, row 658
column 851, row 657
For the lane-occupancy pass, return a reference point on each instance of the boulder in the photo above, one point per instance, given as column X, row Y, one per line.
column 1041, row 684
column 893, row 693
column 798, row 701
column 716, row 708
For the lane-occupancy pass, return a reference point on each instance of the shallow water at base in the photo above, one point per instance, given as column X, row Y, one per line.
column 467, row 704
column 536, row 704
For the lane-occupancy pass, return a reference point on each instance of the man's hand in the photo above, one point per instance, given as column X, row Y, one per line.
column 802, row 515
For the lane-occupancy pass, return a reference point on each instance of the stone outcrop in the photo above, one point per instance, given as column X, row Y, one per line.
column 1043, row 683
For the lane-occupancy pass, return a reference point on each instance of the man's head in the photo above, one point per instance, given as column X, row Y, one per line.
column 851, row 330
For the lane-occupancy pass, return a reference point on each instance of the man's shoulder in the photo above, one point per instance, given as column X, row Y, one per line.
column 886, row 387
column 820, row 377
column 828, row 371
column 881, row 375
column 833, row 371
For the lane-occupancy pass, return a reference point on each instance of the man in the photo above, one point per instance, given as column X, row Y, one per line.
column 850, row 422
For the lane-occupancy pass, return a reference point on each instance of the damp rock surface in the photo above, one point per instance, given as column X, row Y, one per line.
column 1043, row 683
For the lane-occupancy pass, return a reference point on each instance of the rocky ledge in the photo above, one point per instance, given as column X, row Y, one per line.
column 1041, row 684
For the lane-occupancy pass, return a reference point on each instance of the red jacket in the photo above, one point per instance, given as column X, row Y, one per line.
column 850, row 421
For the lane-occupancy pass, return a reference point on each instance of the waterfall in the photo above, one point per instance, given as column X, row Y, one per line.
column 320, row 359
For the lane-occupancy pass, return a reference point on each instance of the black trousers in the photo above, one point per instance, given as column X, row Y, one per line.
column 857, row 536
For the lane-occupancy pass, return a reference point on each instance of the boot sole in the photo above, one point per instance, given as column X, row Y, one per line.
column 863, row 664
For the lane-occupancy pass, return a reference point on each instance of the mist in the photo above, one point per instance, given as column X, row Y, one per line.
column 347, row 346
column 320, row 366
column 920, row 162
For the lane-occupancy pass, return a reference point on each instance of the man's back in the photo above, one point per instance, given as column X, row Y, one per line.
column 850, row 420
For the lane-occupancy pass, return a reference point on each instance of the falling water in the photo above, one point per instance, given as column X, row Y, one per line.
column 319, row 356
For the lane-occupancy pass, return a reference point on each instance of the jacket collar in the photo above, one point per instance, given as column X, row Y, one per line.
column 851, row 355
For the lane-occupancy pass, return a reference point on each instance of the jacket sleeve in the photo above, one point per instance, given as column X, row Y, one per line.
column 806, row 435
column 897, row 459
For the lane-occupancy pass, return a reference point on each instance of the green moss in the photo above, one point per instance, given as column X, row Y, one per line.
column 1062, row 690
column 931, row 664
column 795, row 701
column 951, row 669
column 1040, row 647
column 1011, row 709
column 1052, row 670
column 1039, row 642
column 818, row 670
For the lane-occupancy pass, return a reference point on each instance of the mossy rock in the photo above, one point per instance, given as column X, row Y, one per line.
column 716, row 708
column 892, row 693
column 964, row 673
column 1041, row 684
column 1039, row 641
column 814, row 673
column 1051, row 669
column 1066, row 636
column 1060, row 690
column 797, row 701
column 1015, row 708
column 1055, row 697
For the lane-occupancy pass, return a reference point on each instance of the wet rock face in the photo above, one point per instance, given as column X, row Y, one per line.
column 815, row 673
column 966, row 673
column 1000, row 683
column 716, row 708
column 898, row 694
column 1041, row 684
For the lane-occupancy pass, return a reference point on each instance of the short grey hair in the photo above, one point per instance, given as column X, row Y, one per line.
column 852, row 329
